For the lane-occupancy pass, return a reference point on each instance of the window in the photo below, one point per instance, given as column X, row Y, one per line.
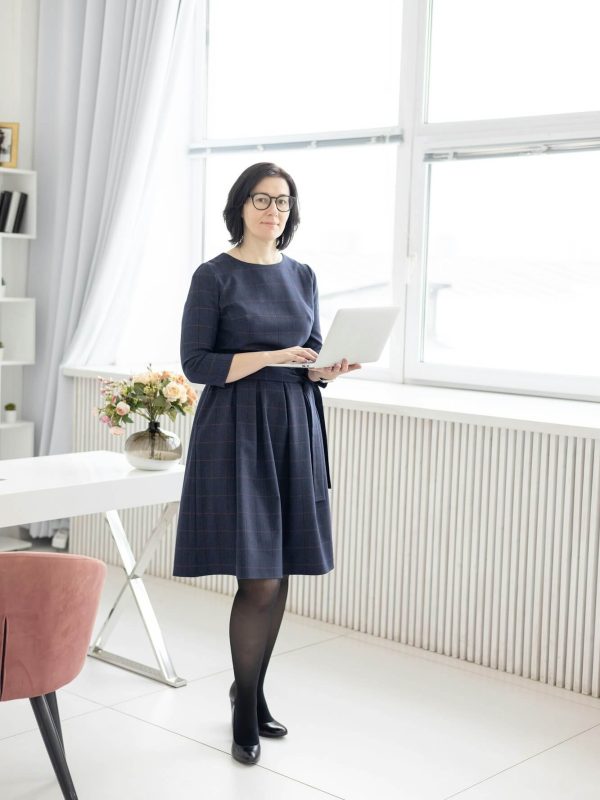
column 513, row 58
column 314, row 87
column 513, row 258
column 503, row 263
column 301, row 66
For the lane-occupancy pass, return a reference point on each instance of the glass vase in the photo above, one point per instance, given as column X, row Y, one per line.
column 153, row 448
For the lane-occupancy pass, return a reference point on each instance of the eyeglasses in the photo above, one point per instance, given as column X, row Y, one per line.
column 284, row 202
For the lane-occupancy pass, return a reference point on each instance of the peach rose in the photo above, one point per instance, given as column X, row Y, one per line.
column 117, row 431
column 175, row 392
column 122, row 408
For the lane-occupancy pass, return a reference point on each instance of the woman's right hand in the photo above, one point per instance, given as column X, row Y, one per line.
column 301, row 355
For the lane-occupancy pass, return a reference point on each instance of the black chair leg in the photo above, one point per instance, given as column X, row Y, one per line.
column 54, row 747
column 53, row 706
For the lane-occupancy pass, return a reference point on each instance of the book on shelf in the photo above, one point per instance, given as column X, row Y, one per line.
column 20, row 213
column 12, row 210
column 4, row 204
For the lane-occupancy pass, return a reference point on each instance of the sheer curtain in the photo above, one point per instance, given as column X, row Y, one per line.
column 105, row 71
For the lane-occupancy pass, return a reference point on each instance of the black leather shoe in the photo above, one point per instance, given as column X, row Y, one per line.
column 246, row 754
column 271, row 730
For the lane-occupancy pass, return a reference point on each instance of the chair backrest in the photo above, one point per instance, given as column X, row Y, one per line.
column 48, row 604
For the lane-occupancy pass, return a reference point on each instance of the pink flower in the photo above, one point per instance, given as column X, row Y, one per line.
column 117, row 431
column 122, row 408
column 105, row 418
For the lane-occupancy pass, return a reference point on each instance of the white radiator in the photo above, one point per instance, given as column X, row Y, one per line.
column 476, row 542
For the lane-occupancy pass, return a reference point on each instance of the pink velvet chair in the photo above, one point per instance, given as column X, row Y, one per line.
column 48, row 604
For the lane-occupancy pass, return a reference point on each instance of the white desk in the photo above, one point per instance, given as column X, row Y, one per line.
column 75, row 484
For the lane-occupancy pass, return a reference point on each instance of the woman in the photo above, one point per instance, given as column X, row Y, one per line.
column 255, row 500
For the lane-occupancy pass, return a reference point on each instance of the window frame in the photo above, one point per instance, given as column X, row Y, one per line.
column 424, row 137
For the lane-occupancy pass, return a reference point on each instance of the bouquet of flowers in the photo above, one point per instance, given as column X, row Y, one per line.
column 149, row 394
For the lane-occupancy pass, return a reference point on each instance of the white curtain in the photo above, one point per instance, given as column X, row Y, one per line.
column 105, row 70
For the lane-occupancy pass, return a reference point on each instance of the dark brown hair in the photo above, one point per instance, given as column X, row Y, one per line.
column 241, row 189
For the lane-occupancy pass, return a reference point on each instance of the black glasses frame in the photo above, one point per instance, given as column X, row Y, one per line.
column 289, row 197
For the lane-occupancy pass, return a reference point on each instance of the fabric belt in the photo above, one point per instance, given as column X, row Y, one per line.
column 291, row 375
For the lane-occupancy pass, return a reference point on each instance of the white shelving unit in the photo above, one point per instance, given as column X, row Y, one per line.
column 17, row 325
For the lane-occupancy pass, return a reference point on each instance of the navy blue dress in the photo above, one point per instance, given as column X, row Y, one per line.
column 254, row 501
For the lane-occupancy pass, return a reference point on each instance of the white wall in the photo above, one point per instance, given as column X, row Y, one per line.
column 18, row 66
column 18, row 70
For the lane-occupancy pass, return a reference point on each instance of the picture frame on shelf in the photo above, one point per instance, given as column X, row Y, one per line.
column 9, row 144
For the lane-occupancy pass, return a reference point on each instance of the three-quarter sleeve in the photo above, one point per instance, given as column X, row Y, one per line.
column 199, row 327
column 315, row 340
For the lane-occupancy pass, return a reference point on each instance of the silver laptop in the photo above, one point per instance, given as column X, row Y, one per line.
column 358, row 334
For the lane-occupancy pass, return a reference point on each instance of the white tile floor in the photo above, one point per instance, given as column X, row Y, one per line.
column 367, row 718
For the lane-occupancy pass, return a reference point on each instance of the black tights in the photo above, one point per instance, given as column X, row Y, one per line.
column 256, row 616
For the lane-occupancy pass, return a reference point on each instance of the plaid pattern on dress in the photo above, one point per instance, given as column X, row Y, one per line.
column 254, row 501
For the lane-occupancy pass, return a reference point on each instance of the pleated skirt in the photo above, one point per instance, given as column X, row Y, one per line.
column 255, row 498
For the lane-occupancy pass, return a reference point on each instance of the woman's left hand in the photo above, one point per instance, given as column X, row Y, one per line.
column 329, row 373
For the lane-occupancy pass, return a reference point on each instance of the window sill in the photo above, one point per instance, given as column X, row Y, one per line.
column 519, row 412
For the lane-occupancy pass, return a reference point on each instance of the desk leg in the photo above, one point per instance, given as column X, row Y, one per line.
column 134, row 571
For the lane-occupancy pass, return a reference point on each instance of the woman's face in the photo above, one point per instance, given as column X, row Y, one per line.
column 267, row 225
